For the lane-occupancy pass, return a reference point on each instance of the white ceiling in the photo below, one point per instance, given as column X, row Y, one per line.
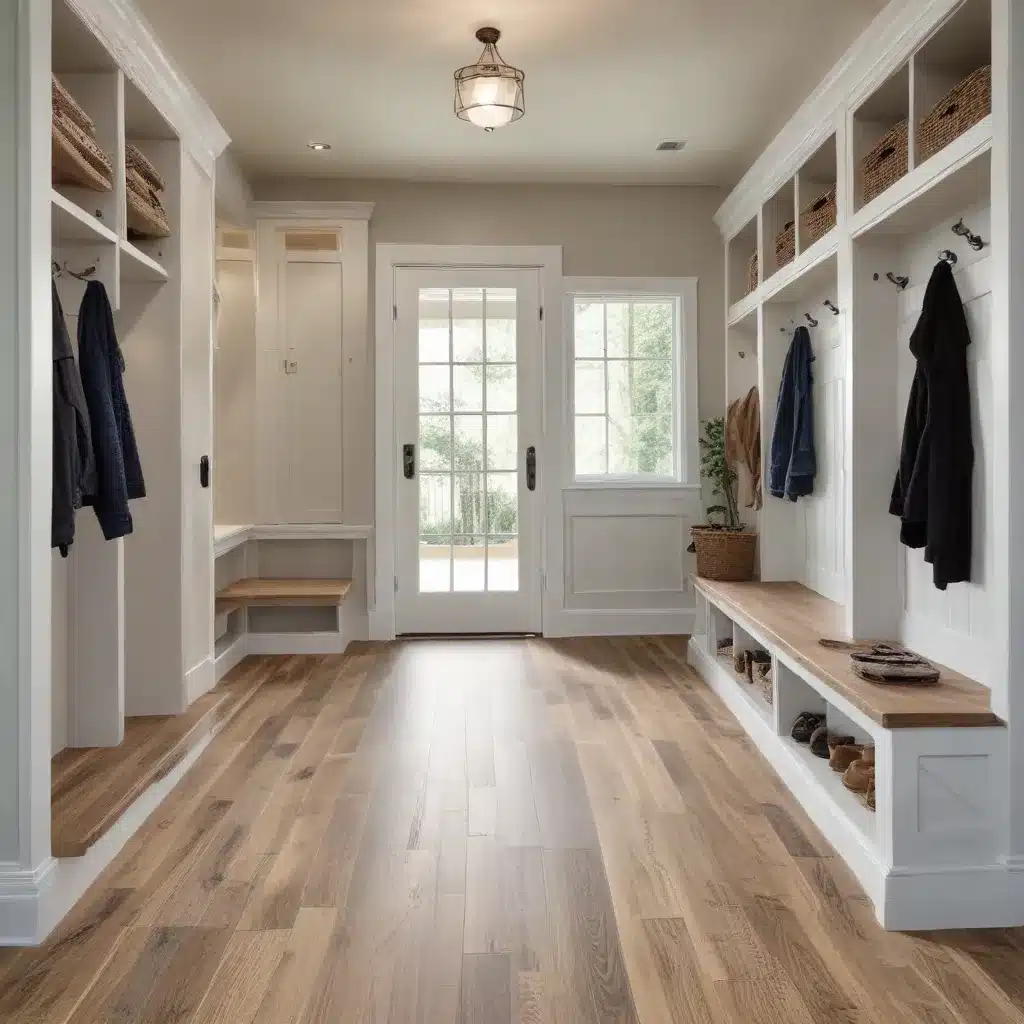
column 606, row 80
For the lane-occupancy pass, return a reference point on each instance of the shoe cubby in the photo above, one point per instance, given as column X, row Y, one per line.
column 778, row 232
column 880, row 138
column 744, row 275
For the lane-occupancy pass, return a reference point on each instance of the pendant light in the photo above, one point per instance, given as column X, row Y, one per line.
column 489, row 93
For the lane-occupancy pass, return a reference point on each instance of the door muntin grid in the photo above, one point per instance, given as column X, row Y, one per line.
column 468, row 441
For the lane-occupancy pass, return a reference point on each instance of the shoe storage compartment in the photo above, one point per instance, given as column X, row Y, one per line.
column 939, row 751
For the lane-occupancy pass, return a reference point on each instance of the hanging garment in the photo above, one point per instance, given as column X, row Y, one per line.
column 118, row 471
column 74, row 467
column 932, row 493
column 793, row 463
column 743, row 440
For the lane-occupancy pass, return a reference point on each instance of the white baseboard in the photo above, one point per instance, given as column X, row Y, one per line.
column 231, row 657
column 926, row 899
column 199, row 680
column 619, row 622
column 32, row 904
column 295, row 643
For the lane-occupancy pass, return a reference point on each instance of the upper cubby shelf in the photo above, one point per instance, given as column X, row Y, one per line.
column 744, row 269
column 816, row 196
column 779, row 230
column 880, row 138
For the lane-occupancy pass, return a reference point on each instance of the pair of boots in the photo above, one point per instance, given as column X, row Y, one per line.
column 744, row 662
column 859, row 776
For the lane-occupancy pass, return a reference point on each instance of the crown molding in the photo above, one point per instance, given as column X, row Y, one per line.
column 131, row 41
column 298, row 210
column 880, row 49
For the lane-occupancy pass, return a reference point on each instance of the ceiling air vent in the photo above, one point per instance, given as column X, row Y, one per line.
column 671, row 145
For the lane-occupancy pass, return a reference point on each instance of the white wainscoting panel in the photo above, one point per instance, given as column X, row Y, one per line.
column 627, row 554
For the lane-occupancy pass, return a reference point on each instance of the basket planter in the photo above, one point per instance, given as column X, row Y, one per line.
column 752, row 281
column 887, row 162
column 724, row 554
column 961, row 108
column 785, row 245
column 818, row 219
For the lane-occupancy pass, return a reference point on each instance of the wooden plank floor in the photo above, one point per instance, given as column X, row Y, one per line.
column 489, row 832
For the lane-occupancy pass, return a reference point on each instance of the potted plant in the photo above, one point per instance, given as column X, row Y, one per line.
column 725, row 549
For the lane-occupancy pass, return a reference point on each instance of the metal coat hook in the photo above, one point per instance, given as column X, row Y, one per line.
column 832, row 306
column 974, row 241
column 81, row 275
column 901, row 281
column 811, row 320
column 948, row 256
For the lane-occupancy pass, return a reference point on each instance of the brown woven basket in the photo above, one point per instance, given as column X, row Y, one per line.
column 724, row 554
column 961, row 108
column 818, row 219
column 146, row 216
column 763, row 679
column 138, row 161
column 785, row 245
column 887, row 162
column 76, row 158
column 64, row 102
column 752, row 281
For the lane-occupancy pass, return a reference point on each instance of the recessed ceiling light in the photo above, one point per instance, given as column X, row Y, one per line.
column 320, row 147
column 671, row 145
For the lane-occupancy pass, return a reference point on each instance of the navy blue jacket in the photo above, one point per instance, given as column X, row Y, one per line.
column 793, row 464
column 118, row 470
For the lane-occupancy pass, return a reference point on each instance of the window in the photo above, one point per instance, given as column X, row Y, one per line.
column 628, row 385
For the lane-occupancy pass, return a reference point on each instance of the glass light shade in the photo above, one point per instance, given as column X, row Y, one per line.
column 490, row 100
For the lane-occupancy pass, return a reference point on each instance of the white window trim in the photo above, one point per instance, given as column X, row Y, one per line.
column 683, row 288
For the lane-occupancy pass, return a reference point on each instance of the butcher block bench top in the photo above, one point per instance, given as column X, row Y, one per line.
column 793, row 619
column 254, row 591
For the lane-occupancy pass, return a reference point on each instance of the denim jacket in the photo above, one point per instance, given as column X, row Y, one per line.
column 793, row 464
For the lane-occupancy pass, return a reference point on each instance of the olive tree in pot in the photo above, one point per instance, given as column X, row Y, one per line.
column 725, row 549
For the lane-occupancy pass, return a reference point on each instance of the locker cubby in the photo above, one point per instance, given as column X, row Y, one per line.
column 778, row 224
column 816, row 177
column 740, row 249
column 882, row 111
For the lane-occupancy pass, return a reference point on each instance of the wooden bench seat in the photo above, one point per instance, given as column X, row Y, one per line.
column 291, row 592
column 792, row 618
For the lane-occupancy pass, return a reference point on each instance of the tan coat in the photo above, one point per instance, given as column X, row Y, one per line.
column 743, row 440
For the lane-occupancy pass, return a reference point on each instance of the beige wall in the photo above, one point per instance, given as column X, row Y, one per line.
column 637, row 231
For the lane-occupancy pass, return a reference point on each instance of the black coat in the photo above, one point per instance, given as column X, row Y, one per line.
column 932, row 493
column 118, row 470
column 74, row 468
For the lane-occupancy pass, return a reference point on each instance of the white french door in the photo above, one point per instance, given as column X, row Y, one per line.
column 468, row 419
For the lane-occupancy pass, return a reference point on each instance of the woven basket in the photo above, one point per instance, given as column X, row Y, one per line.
column 724, row 554
column 136, row 160
column 887, row 162
column 763, row 679
column 64, row 102
column 752, row 281
column 76, row 158
column 146, row 216
column 785, row 245
column 961, row 108
column 818, row 219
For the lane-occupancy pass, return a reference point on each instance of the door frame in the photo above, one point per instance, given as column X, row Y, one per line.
column 547, row 260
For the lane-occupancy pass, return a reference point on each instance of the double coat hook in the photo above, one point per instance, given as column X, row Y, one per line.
column 974, row 241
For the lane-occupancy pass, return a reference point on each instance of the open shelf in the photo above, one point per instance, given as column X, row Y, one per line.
column 741, row 248
column 778, row 216
column 71, row 224
column 815, row 181
column 138, row 266
column 881, row 112
column 744, row 311
column 810, row 273
column 957, row 177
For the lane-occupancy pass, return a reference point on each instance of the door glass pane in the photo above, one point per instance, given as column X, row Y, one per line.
column 468, row 325
column 502, row 503
column 435, row 565
column 502, row 563
column 435, row 451
column 435, row 389
column 590, row 392
column 469, row 387
column 469, row 445
column 501, row 388
column 469, row 564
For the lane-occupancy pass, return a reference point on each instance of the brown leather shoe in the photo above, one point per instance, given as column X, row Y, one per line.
column 843, row 755
column 859, row 776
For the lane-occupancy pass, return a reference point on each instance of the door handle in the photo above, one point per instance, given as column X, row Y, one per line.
column 204, row 471
column 408, row 461
column 531, row 468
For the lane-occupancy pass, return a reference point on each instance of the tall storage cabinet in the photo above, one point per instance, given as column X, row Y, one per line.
column 918, row 138
column 120, row 627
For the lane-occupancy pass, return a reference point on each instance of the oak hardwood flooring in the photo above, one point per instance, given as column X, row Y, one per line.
column 478, row 832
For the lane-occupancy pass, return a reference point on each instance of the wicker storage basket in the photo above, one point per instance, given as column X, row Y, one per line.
column 887, row 162
column 785, row 245
column 752, row 273
column 137, row 161
column 146, row 216
column 763, row 681
column 77, row 159
column 66, row 104
column 818, row 219
column 724, row 554
column 961, row 108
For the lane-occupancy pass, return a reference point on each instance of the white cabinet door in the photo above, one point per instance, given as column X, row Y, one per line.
column 312, row 307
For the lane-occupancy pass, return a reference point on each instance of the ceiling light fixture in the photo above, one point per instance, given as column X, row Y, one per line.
column 490, row 92
column 319, row 147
